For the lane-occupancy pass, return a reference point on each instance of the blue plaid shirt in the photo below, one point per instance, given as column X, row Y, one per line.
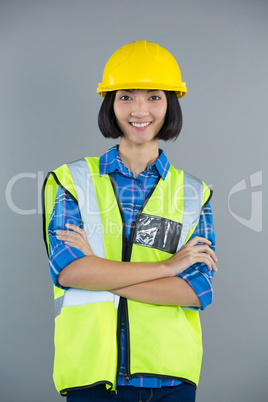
column 132, row 192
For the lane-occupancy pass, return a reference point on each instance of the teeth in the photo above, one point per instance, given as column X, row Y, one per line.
column 140, row 124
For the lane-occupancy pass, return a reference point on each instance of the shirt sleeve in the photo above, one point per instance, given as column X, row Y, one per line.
column 60, row 254
column 198, row 276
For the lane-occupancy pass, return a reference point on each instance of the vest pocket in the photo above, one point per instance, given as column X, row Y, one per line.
column 156, row 232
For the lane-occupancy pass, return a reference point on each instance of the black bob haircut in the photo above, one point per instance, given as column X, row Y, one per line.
column 170, row 130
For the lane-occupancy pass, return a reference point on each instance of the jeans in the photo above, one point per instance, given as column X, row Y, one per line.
column 181, row 393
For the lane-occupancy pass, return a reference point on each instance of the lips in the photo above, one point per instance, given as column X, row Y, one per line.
column 140, row 125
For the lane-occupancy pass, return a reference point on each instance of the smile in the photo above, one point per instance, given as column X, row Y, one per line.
column 140, row 125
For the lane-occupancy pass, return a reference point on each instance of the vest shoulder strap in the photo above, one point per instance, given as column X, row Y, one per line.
column 87, row 200
column 196, row 195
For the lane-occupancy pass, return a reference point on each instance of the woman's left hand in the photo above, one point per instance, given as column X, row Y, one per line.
column 76, row 237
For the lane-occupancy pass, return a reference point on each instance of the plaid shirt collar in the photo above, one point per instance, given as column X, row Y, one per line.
column 111, row 161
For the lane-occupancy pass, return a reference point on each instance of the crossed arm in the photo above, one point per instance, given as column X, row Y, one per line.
column 154, row 283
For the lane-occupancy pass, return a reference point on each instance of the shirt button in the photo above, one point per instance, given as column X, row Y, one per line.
column 140, row 183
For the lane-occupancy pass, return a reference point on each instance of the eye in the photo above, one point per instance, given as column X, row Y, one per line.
column 125, row 98
column 154, row 98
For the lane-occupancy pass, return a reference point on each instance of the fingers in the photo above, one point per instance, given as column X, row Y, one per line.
column 206, row 249
column 75, row 228
column 205, row 255
column 70, row 238
column 70, row 234
column 76, row 237
column 78, row 230
column 197, row 250
column 191, row 256
column 210, row 263
column 198, row 239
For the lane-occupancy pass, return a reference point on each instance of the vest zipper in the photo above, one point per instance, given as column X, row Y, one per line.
column 127, row 374
column 122, row 301
column 118, row 337
column 126, row 256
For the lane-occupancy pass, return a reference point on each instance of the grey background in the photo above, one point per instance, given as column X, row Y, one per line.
column 52, row 57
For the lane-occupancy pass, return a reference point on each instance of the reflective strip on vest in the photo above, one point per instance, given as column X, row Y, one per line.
column 89, row 209
column 193, row 190
column 58, row 305
column 88, row 205
column 79, row 297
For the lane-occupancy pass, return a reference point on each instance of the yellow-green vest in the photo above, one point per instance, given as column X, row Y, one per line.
column 161, row 341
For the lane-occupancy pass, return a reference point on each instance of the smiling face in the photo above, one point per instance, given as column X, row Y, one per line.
column 140, row 114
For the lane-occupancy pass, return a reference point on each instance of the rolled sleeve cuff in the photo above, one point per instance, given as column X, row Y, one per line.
column 201, row 283
column 62, row 256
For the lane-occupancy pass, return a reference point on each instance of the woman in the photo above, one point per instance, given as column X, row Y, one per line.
column 137, row 261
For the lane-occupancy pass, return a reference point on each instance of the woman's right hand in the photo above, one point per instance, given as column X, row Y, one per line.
column 192, row 253
column 75, row 237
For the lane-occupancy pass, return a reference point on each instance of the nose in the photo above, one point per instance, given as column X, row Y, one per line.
column 139, row 108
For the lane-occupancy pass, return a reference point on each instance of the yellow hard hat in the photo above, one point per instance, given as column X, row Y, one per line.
column 142, row 65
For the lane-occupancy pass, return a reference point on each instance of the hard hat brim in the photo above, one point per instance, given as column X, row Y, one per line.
column 180, row 91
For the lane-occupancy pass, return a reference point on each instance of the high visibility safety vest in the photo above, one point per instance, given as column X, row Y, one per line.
column 161, row 341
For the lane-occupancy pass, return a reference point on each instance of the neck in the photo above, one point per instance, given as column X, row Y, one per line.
column 138, row 157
